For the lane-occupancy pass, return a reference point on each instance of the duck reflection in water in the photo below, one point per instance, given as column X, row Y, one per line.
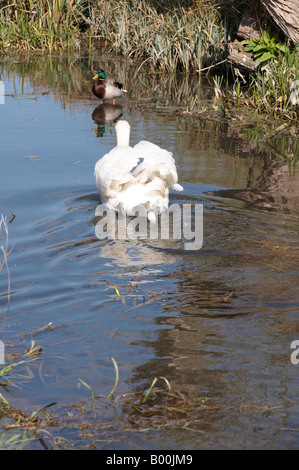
column 106, row 113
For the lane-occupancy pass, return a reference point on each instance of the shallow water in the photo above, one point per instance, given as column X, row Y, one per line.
column 217, row 322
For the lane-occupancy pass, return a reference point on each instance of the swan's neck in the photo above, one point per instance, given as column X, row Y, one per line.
column 123, row 137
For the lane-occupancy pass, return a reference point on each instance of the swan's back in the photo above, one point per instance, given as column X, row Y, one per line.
column 129, row 176
column 157, row 163
column 114, row 170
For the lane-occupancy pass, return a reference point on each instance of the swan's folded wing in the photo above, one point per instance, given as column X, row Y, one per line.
column 113, row 171
column 156, row 162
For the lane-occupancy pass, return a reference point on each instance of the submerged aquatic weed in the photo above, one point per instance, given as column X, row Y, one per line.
column 117, row 294
column 116, row 377
column 90, row 389
column 142, row 411
column 149, row 390
column 114, row 387
column 15, row 442
column 5, row 371
column 36, row 414
column 4, row 247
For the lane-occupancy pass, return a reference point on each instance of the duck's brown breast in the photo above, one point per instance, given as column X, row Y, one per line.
column 99, row 89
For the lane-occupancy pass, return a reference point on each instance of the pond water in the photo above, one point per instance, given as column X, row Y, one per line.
column 215, row 323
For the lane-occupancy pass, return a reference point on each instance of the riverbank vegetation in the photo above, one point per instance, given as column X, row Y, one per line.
column 274, row 87
column 188, row 36
column 182, row 36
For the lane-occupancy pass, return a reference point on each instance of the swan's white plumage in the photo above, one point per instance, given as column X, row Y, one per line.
column 129, row 176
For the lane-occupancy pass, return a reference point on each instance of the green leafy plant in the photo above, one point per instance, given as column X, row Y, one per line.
column 267, row 48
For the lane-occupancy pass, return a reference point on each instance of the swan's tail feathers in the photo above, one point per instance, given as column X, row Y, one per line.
column 157, row 187
column 177, row 187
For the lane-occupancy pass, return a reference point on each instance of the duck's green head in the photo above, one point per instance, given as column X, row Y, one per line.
column 100, row 74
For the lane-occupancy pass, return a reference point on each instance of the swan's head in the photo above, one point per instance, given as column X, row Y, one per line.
column 122, row 133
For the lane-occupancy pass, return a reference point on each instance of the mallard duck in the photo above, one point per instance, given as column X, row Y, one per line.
column 130, row 176
column 107, row 89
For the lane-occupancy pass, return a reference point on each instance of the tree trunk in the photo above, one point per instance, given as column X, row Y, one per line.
column 285, row 13
column 239, row 58
column 249, row 27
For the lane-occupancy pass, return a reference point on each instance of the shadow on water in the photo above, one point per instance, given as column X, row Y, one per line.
column 216, row 323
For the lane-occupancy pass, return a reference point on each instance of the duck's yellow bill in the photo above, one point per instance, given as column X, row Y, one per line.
column 95, row 77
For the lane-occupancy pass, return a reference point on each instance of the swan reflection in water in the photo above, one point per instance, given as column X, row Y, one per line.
column 152, row 255
column 130, row 241
column 106, row 114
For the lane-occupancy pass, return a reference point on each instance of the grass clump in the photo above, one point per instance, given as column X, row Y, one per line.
column 273, row 88
column 181, row 36
column 266, row 48
column 32, row 25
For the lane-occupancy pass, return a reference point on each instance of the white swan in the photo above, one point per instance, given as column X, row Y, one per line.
column 129, row 176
